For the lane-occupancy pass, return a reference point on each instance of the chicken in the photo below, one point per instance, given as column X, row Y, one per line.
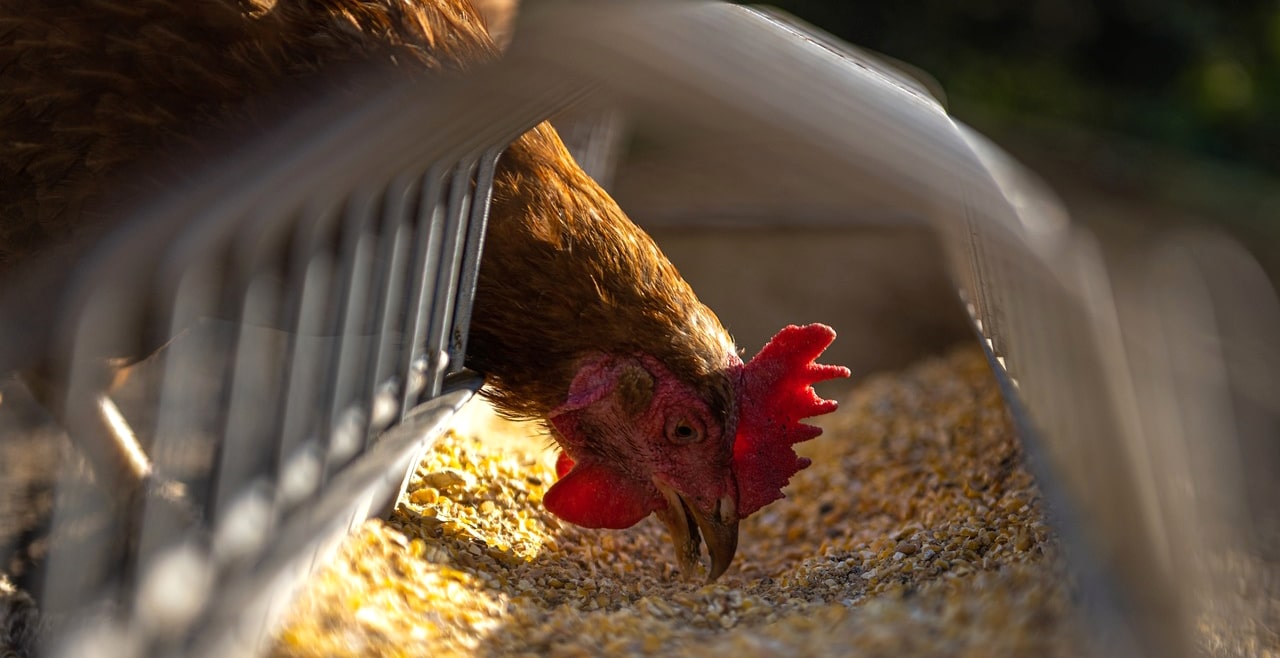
column 579, row 321
column 641, row 385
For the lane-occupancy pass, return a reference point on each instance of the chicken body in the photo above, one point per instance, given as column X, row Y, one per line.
column 100, row 91
column 579, row 320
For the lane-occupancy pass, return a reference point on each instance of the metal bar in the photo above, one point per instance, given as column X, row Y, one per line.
column 446, row 283
column 310, row 364
column 469, row 269
column 385, row 382
column 428, row 250
column 348, row 416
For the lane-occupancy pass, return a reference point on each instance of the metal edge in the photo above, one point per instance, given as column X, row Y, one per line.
column 247, row 614
column 1112, row 637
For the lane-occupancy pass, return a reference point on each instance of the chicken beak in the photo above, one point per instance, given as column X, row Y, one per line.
column 719, row 526
column 720, row 530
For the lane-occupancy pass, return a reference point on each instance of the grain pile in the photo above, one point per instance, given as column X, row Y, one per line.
column 916, row 531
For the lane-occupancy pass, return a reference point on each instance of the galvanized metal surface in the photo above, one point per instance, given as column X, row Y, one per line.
column 305, row 302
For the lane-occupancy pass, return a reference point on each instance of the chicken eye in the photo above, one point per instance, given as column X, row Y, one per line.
column 684, row 431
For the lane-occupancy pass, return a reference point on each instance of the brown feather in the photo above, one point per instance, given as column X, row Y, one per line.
column 96, row 88
column 566, row 266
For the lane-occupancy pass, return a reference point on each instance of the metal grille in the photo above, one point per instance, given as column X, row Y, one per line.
column 1146, row 389
column 306, row 320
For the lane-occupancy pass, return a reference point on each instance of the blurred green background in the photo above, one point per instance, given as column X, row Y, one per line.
column 1166, row 102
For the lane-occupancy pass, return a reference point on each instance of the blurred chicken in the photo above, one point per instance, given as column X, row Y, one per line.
column 579, row 320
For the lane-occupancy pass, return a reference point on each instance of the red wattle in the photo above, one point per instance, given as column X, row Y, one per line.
column 596, row 496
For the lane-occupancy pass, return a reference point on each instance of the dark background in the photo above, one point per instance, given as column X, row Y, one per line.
column 1169, row 104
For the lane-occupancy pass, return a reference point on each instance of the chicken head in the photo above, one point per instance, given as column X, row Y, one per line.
column 638, row 440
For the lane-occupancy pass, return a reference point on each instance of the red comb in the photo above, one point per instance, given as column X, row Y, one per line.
column 774, row 394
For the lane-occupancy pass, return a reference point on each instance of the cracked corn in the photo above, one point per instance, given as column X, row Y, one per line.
column 917, row 530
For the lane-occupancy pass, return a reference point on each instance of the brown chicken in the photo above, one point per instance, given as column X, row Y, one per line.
column 579, row 320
